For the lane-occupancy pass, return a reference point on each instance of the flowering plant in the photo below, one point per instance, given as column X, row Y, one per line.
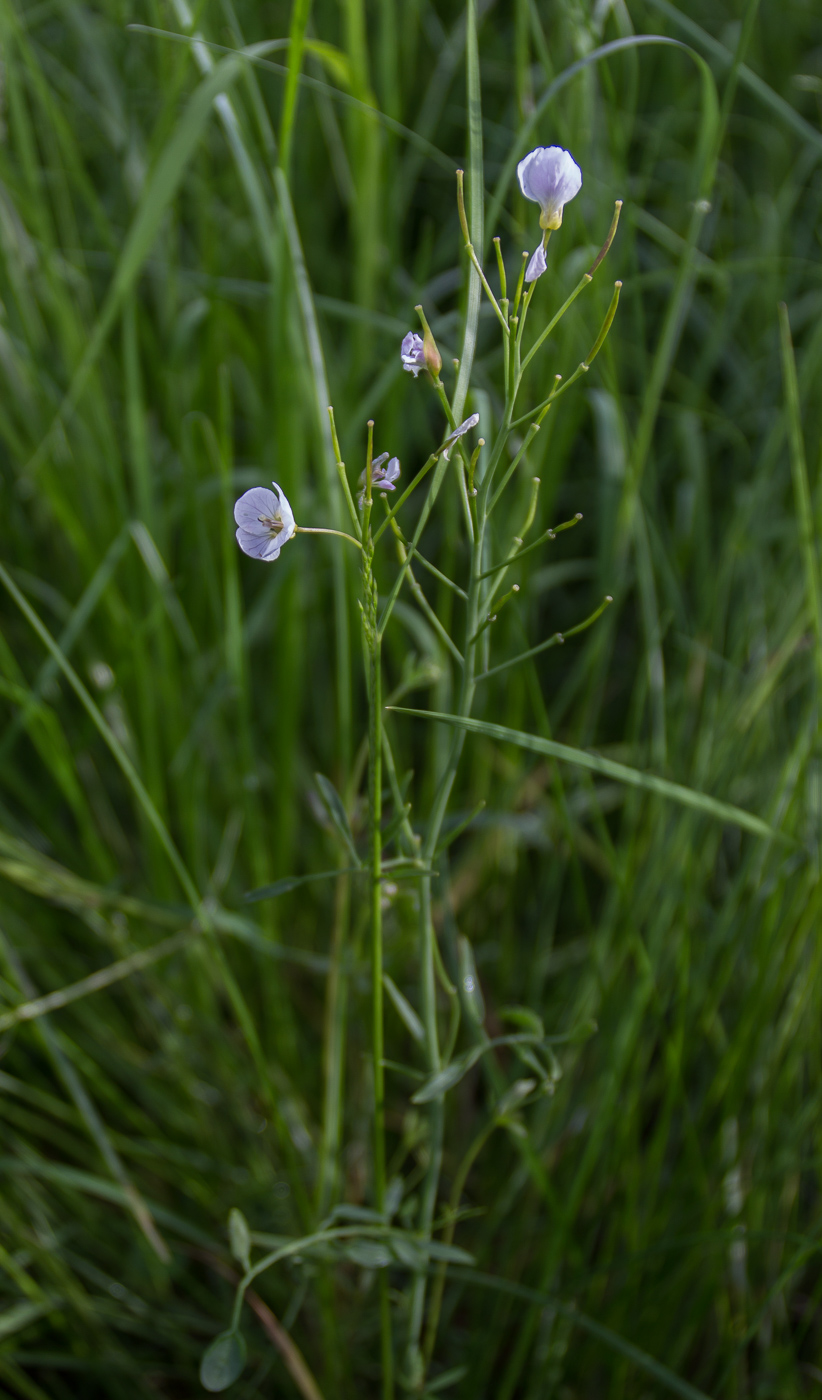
column 550, row 177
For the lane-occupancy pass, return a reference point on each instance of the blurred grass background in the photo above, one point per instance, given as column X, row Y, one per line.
column 163, row 346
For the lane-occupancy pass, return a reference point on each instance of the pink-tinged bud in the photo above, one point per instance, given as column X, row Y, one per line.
column 433, row 358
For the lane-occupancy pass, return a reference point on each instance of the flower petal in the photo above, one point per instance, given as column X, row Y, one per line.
column 286, row 515
column 256, row 505
column 550, row 177
column 536, row 266
column 265, row 547
column 458, row 433
column 463, row 427
column 412, row 353
column 412, row 345
column 392, row 471
column 376, row 469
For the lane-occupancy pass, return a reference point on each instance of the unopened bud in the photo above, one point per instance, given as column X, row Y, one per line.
column 431, row 355
column 433, row 358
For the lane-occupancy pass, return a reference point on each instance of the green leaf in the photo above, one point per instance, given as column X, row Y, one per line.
column 360, row 1215
column 469, row 983
column 408, row 1252
column 476, row 193
column 293, row 882
column 404, row 1009
column 448, row 1253
column 369, row 1254
column 160, row 189
column 334, row 60
column 339, row 818
column 649, row 1364
column 512, row 1098
column 20, row 1315
column 223, row 1362
column 239, row 1237
column 525, row 1018
column 595, row 763
column 446, row 1078
column 413, row 1252
column 445, row 1379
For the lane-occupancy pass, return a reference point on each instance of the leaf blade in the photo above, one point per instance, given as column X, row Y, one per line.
column 595, row 763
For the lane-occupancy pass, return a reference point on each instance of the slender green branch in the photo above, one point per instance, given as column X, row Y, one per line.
column 556, row 640
column 492, row 617
column 472, row 255
column 550, row 534
column 423, row 471
column 423, row 602
column 438, row 1286
column 555, row 320
column 426, row 564
column 585, row 279
column 605, row 249
column 340, row 464
column 321, row 530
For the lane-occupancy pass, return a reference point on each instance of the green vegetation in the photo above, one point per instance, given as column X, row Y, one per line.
column 198, row 254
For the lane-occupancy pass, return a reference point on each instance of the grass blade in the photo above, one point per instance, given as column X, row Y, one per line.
column 595, row 763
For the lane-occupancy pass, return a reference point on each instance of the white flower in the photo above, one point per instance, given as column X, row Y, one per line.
column 382, row 477
column 266, row 522
column 412, row 353
column 458, row 432
column 537, row 265
column 551, row 177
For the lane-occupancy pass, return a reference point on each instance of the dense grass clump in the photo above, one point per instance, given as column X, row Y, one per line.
column 198, row 253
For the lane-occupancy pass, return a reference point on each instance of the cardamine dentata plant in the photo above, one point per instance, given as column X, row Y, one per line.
column 388, row 1237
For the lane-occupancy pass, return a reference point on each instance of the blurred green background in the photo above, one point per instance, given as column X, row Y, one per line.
column 183, row 289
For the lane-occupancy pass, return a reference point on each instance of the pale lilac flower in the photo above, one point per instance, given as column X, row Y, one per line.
column 458, row 433
column 412, row 353
column 266, row 522
column 382, row 477
column 551, row 177
column 537, row 265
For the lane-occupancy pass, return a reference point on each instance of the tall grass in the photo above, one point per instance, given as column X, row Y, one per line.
column 198, row 253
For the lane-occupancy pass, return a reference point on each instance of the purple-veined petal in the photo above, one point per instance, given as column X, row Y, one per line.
column 412, row 353
column 376, row 468
column 392, row 471
column 265, row 547
column 256, row 506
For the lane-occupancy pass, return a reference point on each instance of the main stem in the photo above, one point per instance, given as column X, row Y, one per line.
column 427, row 934
column 375, row 861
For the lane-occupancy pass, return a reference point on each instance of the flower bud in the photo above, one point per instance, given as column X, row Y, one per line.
column 431, row 355
column 433, row 358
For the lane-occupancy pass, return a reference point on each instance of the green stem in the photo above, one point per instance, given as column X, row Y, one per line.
column 438, row 1287
column 375, row 866
column 334, row 1053
column 427, row 950
column 321, row 530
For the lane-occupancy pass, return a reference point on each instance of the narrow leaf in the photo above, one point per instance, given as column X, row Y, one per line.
column 404, row 1009
column 369, row 1254
column 469, row 983
column 239, row 1237
column 292, row 882
column 595, row 763
column 339, row 818
column 446, row 1078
